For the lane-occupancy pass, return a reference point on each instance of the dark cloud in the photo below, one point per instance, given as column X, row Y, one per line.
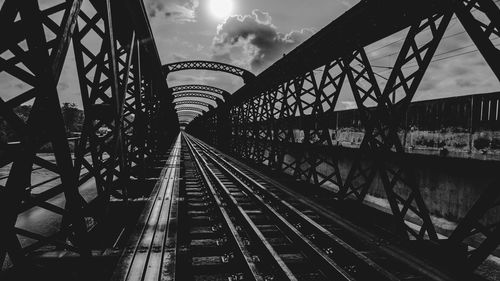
column 154, row 6
column 222, row 57
column 172, row 14
column 253, row 40
column 176, row 10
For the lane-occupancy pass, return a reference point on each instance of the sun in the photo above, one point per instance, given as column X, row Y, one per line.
column 221, row 8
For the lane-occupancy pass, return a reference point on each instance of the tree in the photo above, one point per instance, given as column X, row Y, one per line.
column 73, row 117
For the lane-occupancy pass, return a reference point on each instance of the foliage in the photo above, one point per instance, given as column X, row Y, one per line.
column 73, row 120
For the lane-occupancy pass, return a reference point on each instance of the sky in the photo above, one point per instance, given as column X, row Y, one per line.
column 256, row 33
column 259, row 32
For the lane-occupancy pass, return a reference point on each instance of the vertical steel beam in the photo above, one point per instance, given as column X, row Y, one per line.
column 45, row 123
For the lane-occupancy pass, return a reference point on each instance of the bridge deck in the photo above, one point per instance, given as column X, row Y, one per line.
column 210, row 217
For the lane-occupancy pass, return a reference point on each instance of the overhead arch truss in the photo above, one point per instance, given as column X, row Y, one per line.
column 197, row 87
column 187, row 113
column 246, row 75
column 197, row 95
column 189, row 108
column 192, row 102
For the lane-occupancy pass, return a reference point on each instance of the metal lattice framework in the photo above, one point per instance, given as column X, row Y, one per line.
column 119, row 74
column 181, row 113
column 188, row 113
column 300, row 92
column 187, row 117
column 208, row 65
column 198, row 95
column 189, row 108
column 197, row 87
column 192, row 102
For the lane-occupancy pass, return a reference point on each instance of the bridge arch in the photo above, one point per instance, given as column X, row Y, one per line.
column 188, row 108
column 208, row 65
column 183, row 115
column 199, row 95
column 187, row 118
column 199, row 87
column 187, row 115
column 183, row 111
column 193, row 102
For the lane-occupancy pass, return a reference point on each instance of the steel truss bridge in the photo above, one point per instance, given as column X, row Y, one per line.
column 130, row 153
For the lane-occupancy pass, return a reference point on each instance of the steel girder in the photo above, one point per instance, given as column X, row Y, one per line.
column 299, row 93
column 209, row 65
column 120, row 81
column 181, row 108
column 45, row 123
column 188, row 108
column 222, row 109
column 193, row 102
column 198, row 95
column 186, row 118
column 197, row 87
column 188, row 113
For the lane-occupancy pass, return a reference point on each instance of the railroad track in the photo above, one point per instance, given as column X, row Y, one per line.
column 276, row 239
column 221, row 242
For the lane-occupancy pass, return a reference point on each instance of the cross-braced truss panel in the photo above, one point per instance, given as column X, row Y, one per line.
column 292, row 115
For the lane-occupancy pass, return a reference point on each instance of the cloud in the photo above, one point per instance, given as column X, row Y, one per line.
column 178, row 57
column 464, row 83
column 253, row 41
column 175, row 10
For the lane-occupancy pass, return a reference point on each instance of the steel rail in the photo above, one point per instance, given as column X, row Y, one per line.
column 328, row 266
column 394, row 252
column 284, row 272
column 251, row 267
column 365, row 266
